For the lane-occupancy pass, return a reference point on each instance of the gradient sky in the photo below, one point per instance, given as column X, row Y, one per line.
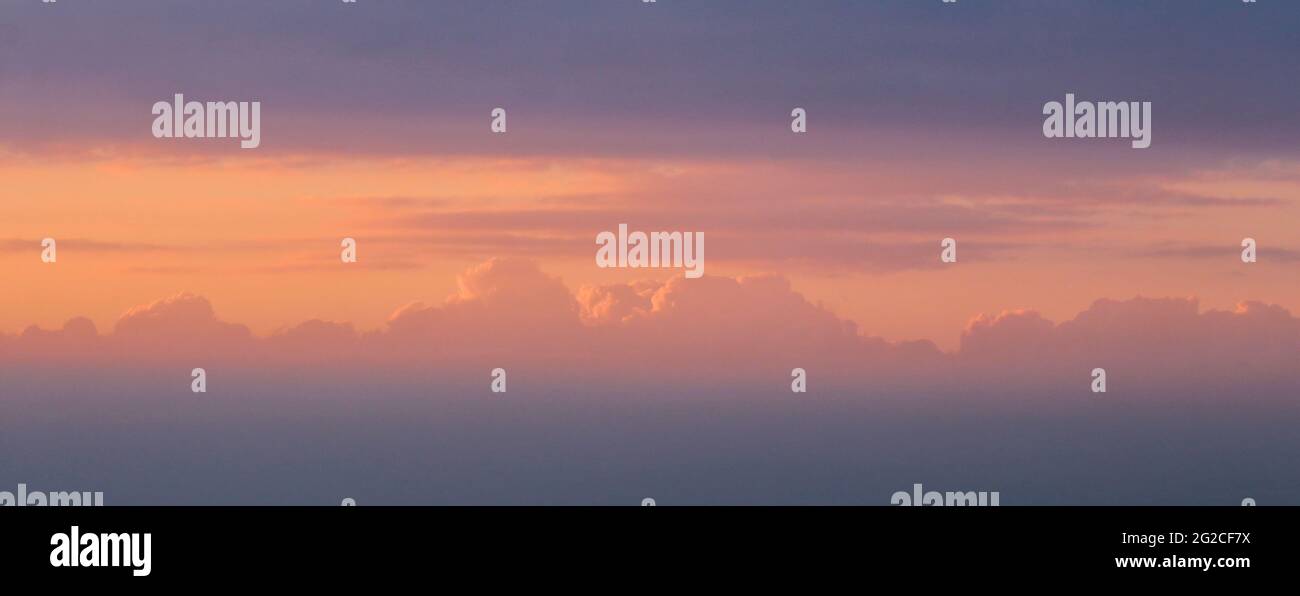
column 925, row 122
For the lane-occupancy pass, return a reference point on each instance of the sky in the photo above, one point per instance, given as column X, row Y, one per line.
column 476, row 251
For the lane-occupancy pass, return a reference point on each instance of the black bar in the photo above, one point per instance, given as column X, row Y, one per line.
column 762, row 546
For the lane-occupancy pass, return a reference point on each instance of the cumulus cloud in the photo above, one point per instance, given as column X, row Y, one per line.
column 183, row 319
column 504, row 308
column 509, row 313
column 1158, row 347
column 77, row 338
column 315, row 331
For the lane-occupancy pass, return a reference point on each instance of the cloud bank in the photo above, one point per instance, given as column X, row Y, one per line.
column 675, row 389
column 748, row 330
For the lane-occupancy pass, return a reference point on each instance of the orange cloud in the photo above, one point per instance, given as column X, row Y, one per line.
column 509, row 313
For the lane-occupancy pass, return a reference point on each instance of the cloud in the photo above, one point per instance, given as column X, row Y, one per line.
column 78, row 338
column 84, row 245
column 1160, row 347
column 183, row 324
column 682, row 382
column 503, row 306
column 746, row 330
column 314, row 341
column 1227, row 253
column 587, row 69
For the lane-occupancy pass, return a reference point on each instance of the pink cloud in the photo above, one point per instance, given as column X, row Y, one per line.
column 509, row 313
column 181, row 324
column 1154, row 345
